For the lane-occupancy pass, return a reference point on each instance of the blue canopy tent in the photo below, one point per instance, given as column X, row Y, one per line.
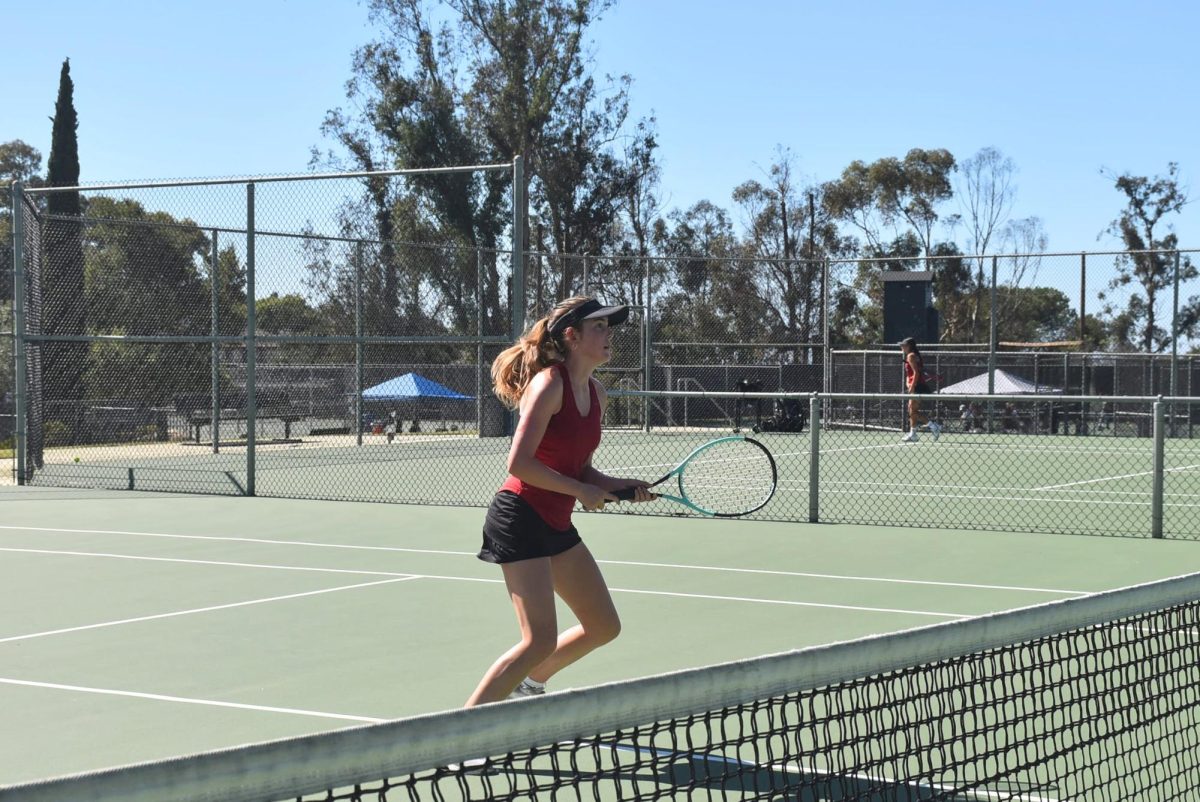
column 411, row 387
column 423, row 398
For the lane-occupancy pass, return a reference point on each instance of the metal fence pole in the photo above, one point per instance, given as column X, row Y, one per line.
column 648, row 347
column 826, row 349
column 814, row 458
column 1175, row 344
column 19, row 378
column 1156, row 493
column 518, row 249
column 1082, row 298
column 214, row 420
column 992, row 340
column 517, row 293
column 479, row 344
column 993, row 329
column 1083, row 364
column 358, row 343
column 251, row 345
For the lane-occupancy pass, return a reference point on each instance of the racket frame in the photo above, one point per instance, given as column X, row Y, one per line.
column 678, row 472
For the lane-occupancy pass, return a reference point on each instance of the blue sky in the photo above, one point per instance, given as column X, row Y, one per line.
column 220, row 88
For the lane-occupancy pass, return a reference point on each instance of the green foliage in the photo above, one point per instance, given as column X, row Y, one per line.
column 1139, row 324
column 890, row 190
column 287, row 314
column 63, row 298
column 500, row 79
column 1036, row 314
column 7, row 375
column 143, row 276
column 18, row 162
column 64, row 147
column 56, row 433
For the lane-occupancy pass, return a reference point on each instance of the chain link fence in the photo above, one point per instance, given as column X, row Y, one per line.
column 260, row 337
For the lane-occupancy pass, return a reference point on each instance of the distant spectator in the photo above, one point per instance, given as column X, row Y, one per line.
column 1008, row 420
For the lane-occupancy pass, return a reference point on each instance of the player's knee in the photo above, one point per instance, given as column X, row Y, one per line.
column 605, row 630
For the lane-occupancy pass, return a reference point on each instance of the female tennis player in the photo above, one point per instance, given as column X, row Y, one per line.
column 914, row 382
column 547, row 375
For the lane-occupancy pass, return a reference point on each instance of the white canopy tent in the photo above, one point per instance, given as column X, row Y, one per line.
column 1006, row 384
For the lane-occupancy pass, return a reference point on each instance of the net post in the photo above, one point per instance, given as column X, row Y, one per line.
column 251, row 344
column 19, row 379
column 814, row 457
column 1156, row 494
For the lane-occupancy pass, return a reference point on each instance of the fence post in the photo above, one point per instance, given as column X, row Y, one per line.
column 358, row 343
column 479, row 342
column 214, row 420
column 518, row 249
column 814, row 458
column 1156, row 494
column 648, row 347
column 1175, row 345
column 1082, row 298
column 19, row 379
column 992, row 340
column 826, row 349
column 251, row 345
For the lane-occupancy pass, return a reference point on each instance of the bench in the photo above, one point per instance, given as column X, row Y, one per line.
column 198, row 419
column 197, row 408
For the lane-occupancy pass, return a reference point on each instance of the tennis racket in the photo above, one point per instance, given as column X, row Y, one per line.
column 725, row 478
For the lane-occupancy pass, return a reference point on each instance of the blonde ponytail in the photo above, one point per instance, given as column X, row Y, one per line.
column 515, row 367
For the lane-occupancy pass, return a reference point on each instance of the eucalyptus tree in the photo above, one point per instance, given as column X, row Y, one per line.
column 1148, row 263
column 482, row 81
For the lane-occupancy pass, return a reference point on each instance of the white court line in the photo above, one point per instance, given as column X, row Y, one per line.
column 679, row 566
column 1114, row 478
column 969, row 585
column 960, row 497
column 201, row 610
column 490, row 581
column 189, row 700
column 859, row 448
column 913, row 489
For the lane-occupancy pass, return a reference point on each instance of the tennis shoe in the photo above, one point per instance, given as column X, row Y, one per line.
column 936, row 429
column 911, row 437
column 527, row 688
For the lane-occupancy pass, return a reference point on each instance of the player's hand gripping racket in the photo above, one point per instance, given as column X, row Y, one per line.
column 727, row 477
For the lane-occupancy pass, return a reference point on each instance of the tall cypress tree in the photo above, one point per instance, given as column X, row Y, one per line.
column 62, row 278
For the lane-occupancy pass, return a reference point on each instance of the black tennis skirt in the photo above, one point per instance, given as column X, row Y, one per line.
column 921, row 388
column 513, row 531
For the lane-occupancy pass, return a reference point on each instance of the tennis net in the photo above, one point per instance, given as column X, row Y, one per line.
column 1091, row 698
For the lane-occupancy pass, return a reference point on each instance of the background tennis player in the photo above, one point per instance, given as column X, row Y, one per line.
column 547, row 375
column 914, row 381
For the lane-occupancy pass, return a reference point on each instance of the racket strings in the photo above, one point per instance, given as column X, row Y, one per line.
column 729, row 478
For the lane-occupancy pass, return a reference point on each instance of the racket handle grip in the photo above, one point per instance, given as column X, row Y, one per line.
column 625, row 494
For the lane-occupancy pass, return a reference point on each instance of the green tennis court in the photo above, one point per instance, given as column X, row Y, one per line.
column 142, row 626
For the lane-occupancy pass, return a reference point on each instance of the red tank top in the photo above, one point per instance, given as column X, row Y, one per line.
column 909, row 372
column 569, row 441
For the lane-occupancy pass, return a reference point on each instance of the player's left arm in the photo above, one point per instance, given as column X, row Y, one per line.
column 592, row 475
